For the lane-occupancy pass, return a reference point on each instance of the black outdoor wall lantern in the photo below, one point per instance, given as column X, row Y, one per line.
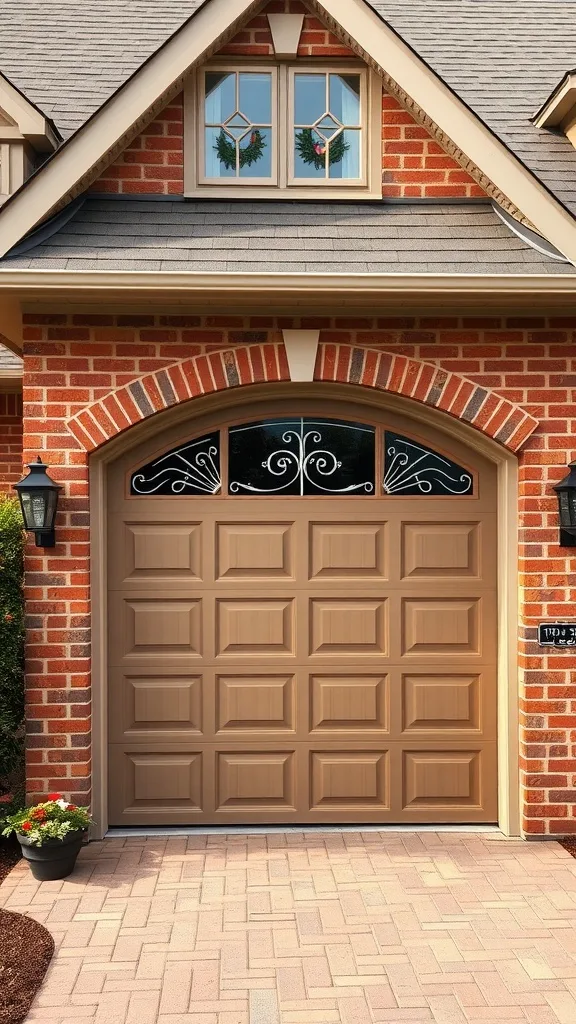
column 38, row 495
column 566, row 491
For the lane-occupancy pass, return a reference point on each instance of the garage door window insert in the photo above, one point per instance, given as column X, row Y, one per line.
column 302, row 456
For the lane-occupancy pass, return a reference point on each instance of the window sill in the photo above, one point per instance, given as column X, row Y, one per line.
column 352, row 194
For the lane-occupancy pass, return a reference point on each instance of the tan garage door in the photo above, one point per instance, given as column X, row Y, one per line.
column 302, row 610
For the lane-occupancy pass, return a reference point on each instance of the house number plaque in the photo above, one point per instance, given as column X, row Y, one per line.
column 557, row 634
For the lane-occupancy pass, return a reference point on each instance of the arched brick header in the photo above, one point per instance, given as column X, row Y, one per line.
column 238, row 367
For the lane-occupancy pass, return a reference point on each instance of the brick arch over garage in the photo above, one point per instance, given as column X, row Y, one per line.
column 423, row 382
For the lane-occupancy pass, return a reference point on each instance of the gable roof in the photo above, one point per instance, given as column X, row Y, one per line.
column 69, row 57
column 503, row 58
column 359, row 19
column 112, row 234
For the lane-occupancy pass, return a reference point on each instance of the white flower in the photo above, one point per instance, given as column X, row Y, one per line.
column 63, row 804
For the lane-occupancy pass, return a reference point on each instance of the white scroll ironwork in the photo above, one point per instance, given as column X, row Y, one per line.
column 194, row 468
column 409, row 467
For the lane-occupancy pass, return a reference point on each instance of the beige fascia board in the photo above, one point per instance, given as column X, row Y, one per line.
column 11, row 322
column 29, row 284
column 116, row 118
column 558, row 105
column 32, row 124
column 393, row 56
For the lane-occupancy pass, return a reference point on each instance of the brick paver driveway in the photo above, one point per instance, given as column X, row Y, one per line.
column 309, row 927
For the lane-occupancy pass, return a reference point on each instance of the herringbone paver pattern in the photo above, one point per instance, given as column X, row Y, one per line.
column 309, row 928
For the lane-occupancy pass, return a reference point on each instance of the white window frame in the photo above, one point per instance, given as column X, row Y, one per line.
column 328, row 182
column 201, row 133
column 283, row 184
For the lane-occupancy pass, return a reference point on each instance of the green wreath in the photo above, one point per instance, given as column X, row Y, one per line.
column 226, row 150
column 314, row 152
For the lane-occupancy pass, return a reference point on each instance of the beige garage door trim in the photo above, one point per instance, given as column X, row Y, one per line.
column 508, row 787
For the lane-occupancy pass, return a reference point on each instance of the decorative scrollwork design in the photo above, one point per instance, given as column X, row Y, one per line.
column 300, row 465
column 193, row 468
column 411, row 469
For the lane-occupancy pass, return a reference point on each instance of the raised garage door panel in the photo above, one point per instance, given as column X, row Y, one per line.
column 322, row 659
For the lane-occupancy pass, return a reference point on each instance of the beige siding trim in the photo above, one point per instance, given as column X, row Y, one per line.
column 116, row 118
column 34, row 283
column 396, row 59
column 31, row 124
column 559, row 105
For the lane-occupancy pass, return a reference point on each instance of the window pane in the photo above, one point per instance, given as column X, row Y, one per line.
column 255, row 99
column 220, row 154
column 220, row 100
column 345, row 98
column 345, row 154
column 309, row 154
column 238, row 138
column 301, row 456
column 309, row 98
column 256, row 154
column 191, row 468
column 411, row 469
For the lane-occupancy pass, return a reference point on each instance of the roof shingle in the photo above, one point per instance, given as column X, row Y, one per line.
column 502, row 57
column 285, row 237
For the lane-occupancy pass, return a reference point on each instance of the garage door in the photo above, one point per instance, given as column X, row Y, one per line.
column 302, row 623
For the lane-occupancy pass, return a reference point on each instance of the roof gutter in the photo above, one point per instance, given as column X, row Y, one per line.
column 33, row 283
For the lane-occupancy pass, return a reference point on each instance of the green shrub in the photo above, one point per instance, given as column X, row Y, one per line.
column 11, row 642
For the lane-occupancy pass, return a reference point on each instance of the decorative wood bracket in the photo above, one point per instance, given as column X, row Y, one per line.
column 286, row 30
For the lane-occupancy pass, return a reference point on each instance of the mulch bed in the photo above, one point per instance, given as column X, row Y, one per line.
column 26, row 949
column 569, row 844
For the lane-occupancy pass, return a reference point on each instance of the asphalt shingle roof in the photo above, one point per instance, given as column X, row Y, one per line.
column 286, row 237
column 69, row 56
column 502, row 57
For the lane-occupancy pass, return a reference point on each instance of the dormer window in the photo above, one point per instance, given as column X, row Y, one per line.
column 559, row 111
column 294, row 130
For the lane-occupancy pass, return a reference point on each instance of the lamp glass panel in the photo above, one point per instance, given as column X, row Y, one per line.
column 34, row 509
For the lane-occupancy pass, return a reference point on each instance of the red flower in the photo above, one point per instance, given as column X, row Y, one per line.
column 72, row 807
column 26, row 826
column 39, row 814
column 8, row 617
column 54, row 796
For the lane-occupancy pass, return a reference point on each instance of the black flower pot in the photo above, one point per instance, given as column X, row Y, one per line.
column 55, row 858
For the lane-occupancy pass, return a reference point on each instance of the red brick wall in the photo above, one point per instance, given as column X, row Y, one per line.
column 255, row 39
column 72, row 361
column 10, row 441
column 414, row 165
column 153, row 163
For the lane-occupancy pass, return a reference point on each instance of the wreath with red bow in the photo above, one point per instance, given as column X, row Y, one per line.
column 226, row 150
column 312, row 148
